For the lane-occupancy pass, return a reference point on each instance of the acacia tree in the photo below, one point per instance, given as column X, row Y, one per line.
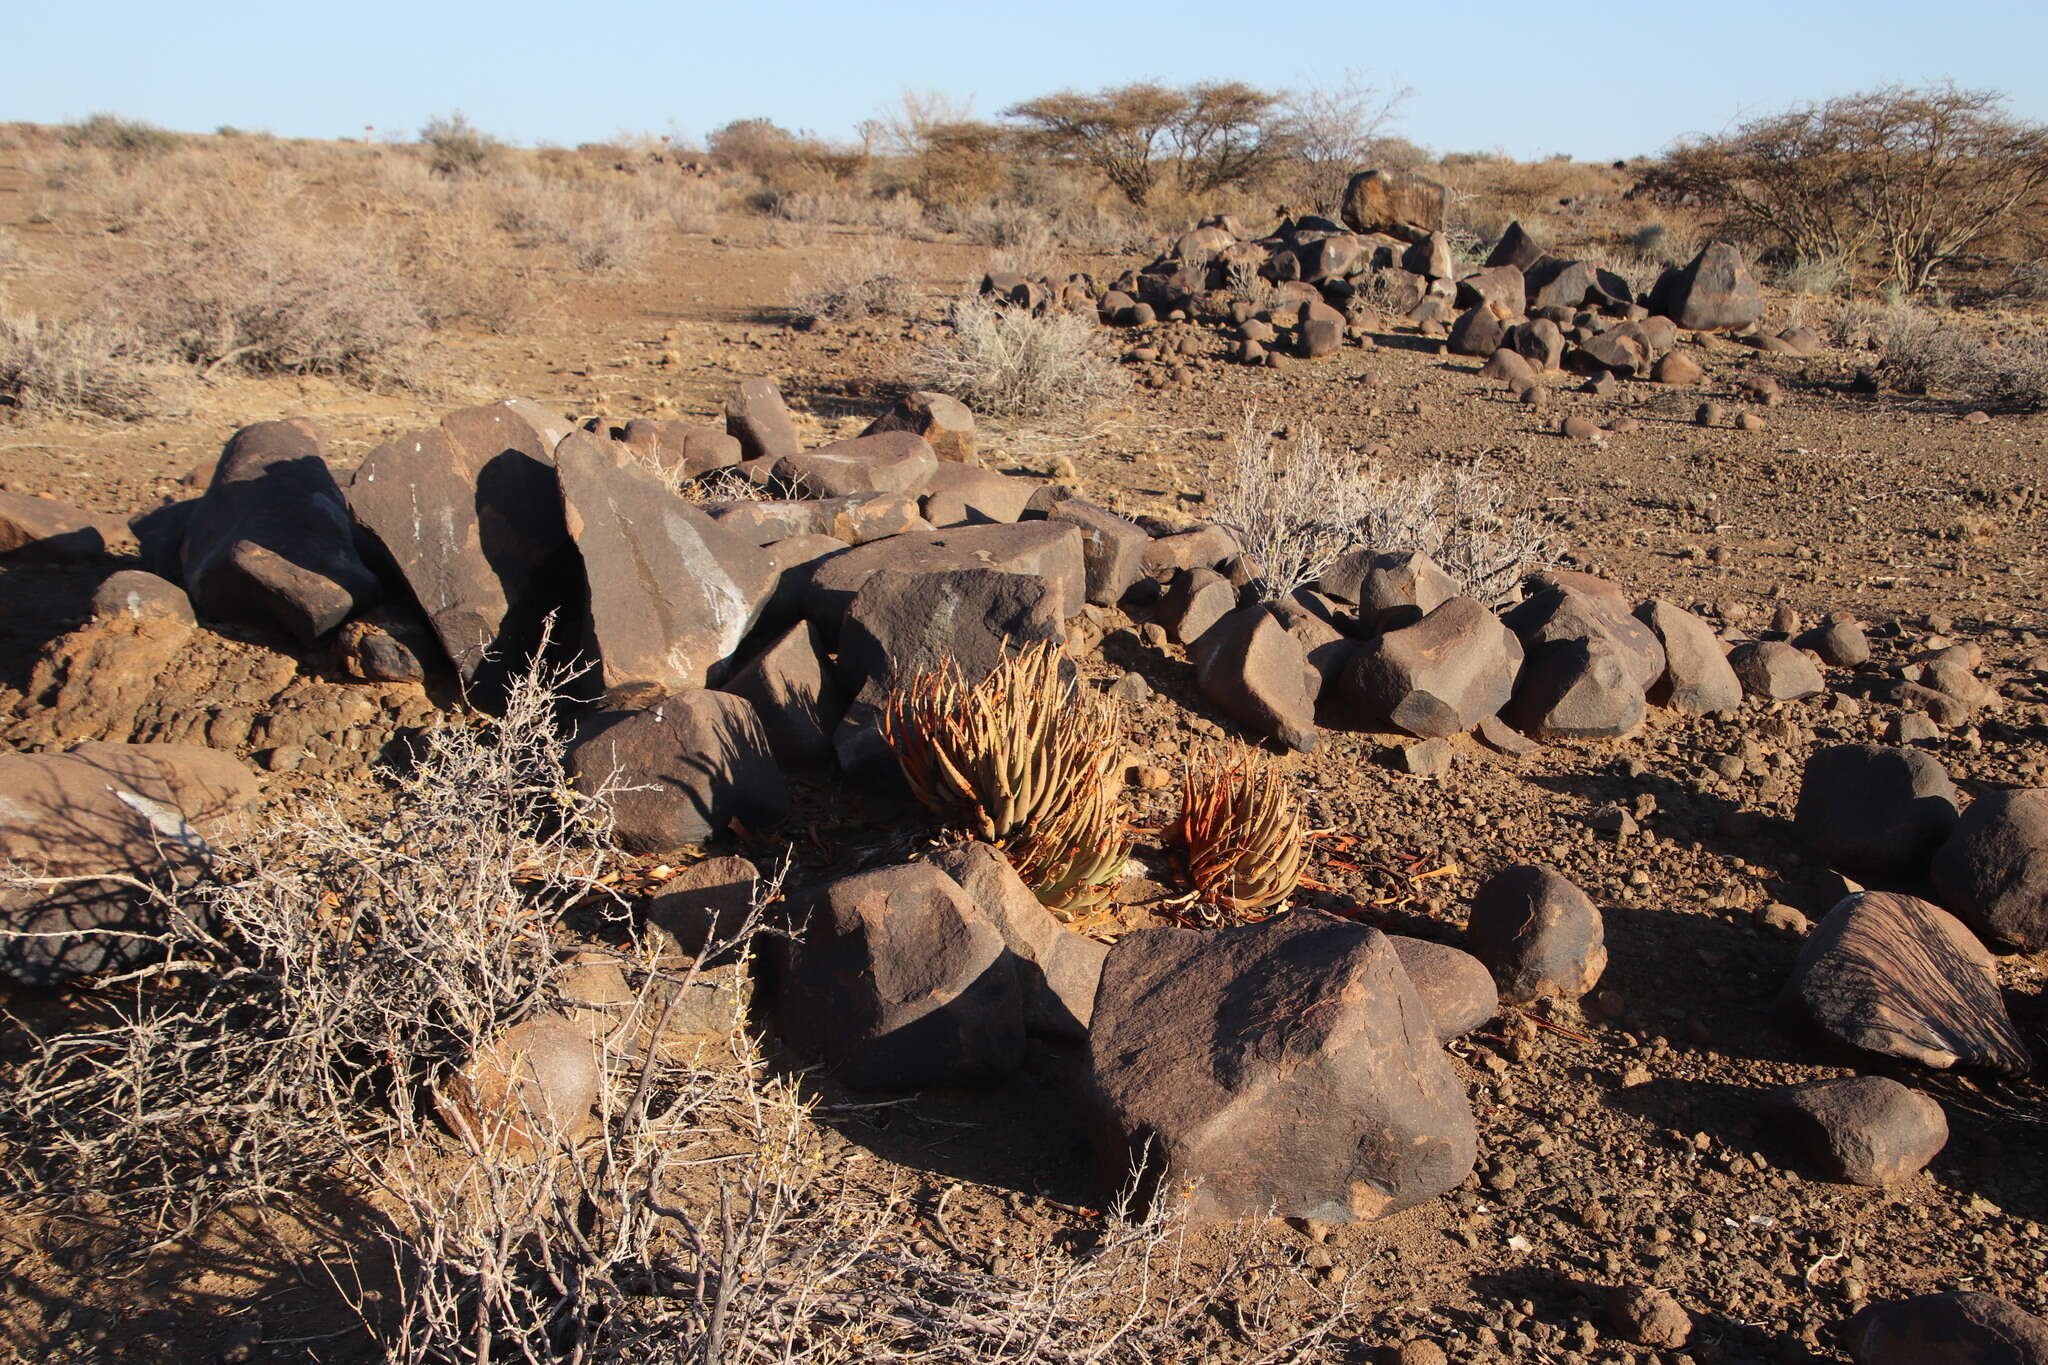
column 1915, row 177
column 1327, row 134
column 1203, row 136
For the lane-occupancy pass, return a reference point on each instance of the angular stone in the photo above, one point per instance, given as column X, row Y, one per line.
column 1197, row 600
column 1508, row 366
column 1515, row 248
column 1556, row 283
column 1992, row 870
column 1499, row 285
column 1576, row 689
column 1714, row 291
column 1455, row 986
column 1399, row 203
column 855, row 520
column 1112, row 548
column 143, row 811
column 271, row 542
column 887, row 462
column 1774, row 669
column 1258, row 674
column 705, row 908
column 1057, row 968
column 1566, row 607
column 470, row 516
column 690, row 766
column 1959, row 1328
column 681, row 450
column 946, row 423
column 1895, row 975
column 901, row 981
column 1697, row 678
column 1541, row 344
column 903, row 624
column 1865, row 1130
column 671, row 593
column 1876, row 813
column 756, row 417
column 388, row 644
column 790, row 686
column 1537, row 933
column 1048, row 550
column 1286, row 1068
column 49, row 529
column 1438, row 677
column 964, row 494
column 1202, row 548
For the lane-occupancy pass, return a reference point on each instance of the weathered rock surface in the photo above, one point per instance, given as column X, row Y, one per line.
column 1057, row 968
column 1282, row 1068
column 1256, row 671
column 1991, row 871
column 1866, row 1130
column 671, row 594
column 49, row 529
column 1697, row 677
column 945, row 423
column 1112, row 548
column 1537, row 933
column 1455, row 986
column 789, row 683
column 1045, row 549
column 1875, row 812
column 1958, row 1328
column 271, row 542
column 1895, row 975
column 887, row 462
column 1713, row 291
column 680, row 770
column 756, row 417
column 1438, row 677
column 901, row 980
column 1398, row 203
column 526, row 1094
column 1775, row 670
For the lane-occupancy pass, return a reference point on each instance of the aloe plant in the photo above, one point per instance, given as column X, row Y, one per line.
column 1243, row 840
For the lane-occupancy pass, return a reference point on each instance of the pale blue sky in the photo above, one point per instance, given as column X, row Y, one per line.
column 1598, row 81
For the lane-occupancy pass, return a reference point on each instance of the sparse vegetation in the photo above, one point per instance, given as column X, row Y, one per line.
column 75, row 367
column 872, row 280
column 1022, row 760
column 1924, row 352
column 1242, row 839
column 1010, row 363
column 120, row 136
column 455, row 146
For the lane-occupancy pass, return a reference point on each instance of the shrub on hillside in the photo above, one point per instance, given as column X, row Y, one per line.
column 80, row 366
column 1009, row 363
column 873, row 279
column 121, row 136
column 455, row 146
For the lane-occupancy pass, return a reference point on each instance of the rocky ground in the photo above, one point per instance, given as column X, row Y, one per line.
column 1625, row 1141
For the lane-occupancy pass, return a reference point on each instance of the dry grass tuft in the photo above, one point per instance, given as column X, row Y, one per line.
column 79, row 367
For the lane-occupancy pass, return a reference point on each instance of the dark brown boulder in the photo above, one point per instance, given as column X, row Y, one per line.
column 1557, row 283
column 1713, row 292
column 1866, row 1130
column 1775, row 670
column 945, row 423
column 138, row 595
column 1282, row 1068
column 1044, row 549
column 900, row 980
column 1478, row 331
column 688, row 767
column 1205, row 547
column 1515, row 248
column 469, row 515
column 670, row 592
column 1257, row 672
column 790, row 686
column 1196, row 600
column 903, row 624
column 271, row 542
column 1959, row 1328
column 1895, row 975
column 1992, row 870
column 1541, row 344
column 526, row 1094
column 1697, row 677
column 1537, row 933
column 963, row 495
column 1398, row 203
column 1877, row 813
column 45, row 528
column 1438, row 677
column 1057, row 968
column 704, row 909
column 887, row 462
column 1112, row 548
column 681, row 450
column 1501, row 286
column 1455, row 986
column 756, row 418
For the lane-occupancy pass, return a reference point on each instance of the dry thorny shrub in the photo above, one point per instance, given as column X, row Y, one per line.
column 314, row 984
column 1297, row 512
column 1011, row 363
column 872, row 279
